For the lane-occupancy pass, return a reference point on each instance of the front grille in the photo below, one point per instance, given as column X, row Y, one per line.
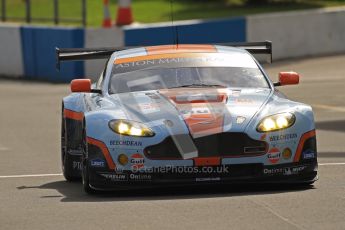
column 217, row 145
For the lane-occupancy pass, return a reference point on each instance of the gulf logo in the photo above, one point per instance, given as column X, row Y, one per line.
column 273, row 155
column 137, row 161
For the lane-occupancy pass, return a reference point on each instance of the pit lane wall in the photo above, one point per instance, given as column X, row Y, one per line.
column 29, row 51
column 11, row 61
column 300, row 33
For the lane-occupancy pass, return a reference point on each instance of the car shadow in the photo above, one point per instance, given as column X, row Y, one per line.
column 72, row 192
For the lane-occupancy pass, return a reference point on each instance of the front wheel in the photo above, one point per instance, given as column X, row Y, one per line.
column 85, row 178
column 67, row 160
column 85, row 168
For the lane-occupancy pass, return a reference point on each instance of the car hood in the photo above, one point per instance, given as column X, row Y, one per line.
column 201, row 111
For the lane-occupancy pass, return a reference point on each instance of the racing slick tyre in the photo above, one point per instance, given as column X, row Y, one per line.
column 85, row 168
column 66, row 159
column 85, row 178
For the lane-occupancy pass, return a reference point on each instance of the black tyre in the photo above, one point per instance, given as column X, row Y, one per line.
column 67, row 160
column 85, row 168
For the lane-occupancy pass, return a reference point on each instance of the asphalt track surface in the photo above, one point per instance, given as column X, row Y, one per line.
column 34, row 195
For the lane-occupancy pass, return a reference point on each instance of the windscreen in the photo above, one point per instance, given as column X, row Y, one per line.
column 206, row 71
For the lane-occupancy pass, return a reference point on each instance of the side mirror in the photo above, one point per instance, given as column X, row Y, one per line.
column 287, row 78
column 81, row 86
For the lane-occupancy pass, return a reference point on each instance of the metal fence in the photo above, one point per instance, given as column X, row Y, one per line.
column 56, row 17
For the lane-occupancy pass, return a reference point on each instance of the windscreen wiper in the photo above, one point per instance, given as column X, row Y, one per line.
column 199, row 86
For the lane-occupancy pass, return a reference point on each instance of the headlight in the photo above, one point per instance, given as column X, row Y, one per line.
column 276, row 122
column 130, row 128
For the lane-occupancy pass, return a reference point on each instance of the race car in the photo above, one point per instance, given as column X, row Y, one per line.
column 184, row 114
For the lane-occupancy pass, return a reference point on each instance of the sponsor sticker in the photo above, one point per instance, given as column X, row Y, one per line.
column 140, row 177
column 207, row 179
column 293, row 170
column 127, row 177
column 273, row 171
column 126, row 143
column 77, row 165
column 240, row 120
column 283, row 137
column 244, row 101
column 284, row 171
column 273, row 155
column 287, row 153
column 308, row 154
column 97, row 163
column 137, row 161
column 116, row 177
column 122, row 159
column 146, row 102
column 149, row 108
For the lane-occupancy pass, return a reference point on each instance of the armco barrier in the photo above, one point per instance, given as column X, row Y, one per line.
column 300, row 33
column 39, row 44
column 11, row 62
column 189, row 32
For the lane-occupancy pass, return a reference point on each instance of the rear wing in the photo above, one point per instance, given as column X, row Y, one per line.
column 80, row 54
column 255, row 48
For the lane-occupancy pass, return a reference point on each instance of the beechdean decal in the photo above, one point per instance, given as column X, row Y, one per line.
column 126, row 143
column 283, row 137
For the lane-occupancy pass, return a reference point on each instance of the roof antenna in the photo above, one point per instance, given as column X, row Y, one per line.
column 175, row 29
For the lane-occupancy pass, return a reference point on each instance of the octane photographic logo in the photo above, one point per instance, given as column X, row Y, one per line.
column 273, row 155
column 137, row 161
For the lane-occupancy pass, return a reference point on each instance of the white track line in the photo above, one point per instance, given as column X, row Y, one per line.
column 330, row 164
column 32, row 175
column 3, row 148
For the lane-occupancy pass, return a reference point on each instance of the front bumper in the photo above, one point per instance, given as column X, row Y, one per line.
column 295, row 173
